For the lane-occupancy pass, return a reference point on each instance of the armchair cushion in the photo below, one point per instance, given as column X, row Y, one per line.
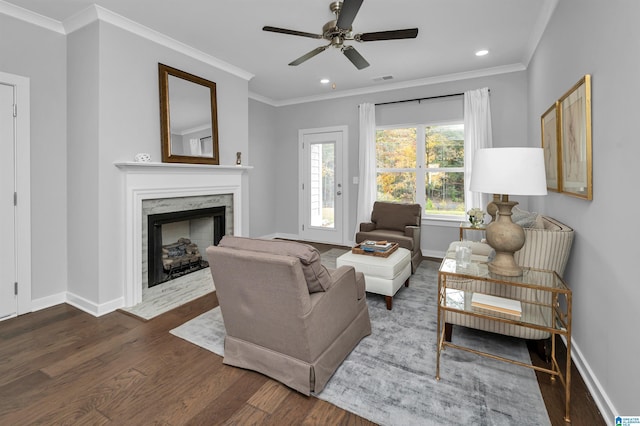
column 395, row 216
column 315, row 273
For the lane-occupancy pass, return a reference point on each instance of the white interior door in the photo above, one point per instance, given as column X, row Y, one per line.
column 322, row 193
column 8, row 297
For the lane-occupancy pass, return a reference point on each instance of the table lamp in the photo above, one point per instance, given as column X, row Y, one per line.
column 507, row 171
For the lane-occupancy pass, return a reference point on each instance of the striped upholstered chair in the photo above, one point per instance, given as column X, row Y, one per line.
column 547, row 246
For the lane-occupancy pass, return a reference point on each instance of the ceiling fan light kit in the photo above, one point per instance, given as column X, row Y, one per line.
column 339, row 30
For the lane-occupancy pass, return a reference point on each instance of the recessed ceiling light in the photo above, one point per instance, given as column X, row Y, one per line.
column 325, row 81
column 482, row 52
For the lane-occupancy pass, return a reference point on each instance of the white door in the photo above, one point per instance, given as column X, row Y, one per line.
column 8, row 297
column 322, row 193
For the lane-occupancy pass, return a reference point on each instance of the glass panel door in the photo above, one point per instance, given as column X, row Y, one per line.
column 322, row 187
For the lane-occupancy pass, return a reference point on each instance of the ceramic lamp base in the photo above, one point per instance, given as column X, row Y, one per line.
column 506, row 238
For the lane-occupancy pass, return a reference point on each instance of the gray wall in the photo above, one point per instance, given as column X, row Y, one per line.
column 110, row 78
column 39, row 54
column 82, row 157
column 262, row 187
column 601, row 39
column 121, row 94
column 509, row 121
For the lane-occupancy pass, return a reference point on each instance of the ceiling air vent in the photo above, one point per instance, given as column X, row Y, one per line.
column 383, row 78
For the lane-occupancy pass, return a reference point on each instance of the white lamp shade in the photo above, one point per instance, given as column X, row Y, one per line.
column 509, row 171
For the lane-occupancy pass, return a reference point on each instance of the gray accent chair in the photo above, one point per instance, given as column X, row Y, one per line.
column 285, row 314
column 396, row 222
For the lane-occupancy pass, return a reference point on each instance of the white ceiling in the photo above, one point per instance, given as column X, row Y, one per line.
column 450, row 31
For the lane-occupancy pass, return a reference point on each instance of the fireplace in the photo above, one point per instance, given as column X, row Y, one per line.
column 177, row 241
column 202, row 220
column 153, row 188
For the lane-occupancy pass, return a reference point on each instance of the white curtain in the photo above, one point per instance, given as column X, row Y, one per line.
column 195, row 147
column 477, row 135
column 367, row 187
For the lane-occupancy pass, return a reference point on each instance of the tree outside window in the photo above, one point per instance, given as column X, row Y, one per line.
column 437, row 165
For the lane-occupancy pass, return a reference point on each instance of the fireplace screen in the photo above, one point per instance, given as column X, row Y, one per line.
column 177, row 241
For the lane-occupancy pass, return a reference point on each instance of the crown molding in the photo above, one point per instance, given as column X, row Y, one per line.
column 95, row 13
column 538, row 30
column 486, row 72
column 31, row 17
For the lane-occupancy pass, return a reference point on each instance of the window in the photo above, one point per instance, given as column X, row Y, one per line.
column 429, row 172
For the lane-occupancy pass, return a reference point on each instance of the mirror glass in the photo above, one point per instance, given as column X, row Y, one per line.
column 188, row 117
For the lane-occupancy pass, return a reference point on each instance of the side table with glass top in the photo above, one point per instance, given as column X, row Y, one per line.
column 542, row 300
column 467, row 226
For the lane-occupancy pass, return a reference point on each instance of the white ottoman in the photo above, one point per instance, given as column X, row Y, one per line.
column 382, row 275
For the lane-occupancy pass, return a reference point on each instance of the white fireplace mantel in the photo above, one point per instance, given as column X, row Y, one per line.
column 178, row 167
column 169, row 180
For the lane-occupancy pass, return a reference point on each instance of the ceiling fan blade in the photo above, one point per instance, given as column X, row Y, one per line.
column 348, row 13
column 290, row 32
column 387, row 35
column 355, row 57
column 308, row 56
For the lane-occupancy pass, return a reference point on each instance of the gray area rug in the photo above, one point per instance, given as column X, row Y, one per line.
column 389, row 378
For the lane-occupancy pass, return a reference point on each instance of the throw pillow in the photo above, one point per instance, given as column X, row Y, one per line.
column 315, row 273
column 523, row 218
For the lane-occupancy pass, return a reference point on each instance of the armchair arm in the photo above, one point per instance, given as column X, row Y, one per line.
column 414, row 233
column 367, row 226
column 331, row 311
column 344, row 273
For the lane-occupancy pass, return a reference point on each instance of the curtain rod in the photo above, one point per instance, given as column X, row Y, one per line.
column 420, row 99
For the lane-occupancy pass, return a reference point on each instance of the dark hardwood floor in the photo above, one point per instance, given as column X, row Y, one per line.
column 63, row 366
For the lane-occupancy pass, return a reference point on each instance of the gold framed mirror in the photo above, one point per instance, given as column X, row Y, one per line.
column 188, row 117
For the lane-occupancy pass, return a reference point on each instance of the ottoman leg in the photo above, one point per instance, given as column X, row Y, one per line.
column 406, row 283
column 389, row 300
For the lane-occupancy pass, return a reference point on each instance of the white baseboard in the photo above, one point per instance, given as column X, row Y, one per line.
column 78, row 302
column 283, row 236
column 48, row 301
column 603, row 402
column 433, row 253
column 92, row 308
column 268, row 237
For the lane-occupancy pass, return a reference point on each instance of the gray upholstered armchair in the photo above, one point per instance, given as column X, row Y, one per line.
column 285, row 314
column 395, row 222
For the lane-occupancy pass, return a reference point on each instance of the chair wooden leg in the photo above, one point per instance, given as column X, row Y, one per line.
column 448, row 331
column 406, row 283
column 541, row 347
column 389, row 300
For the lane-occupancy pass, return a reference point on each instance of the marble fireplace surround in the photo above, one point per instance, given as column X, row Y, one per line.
column 145, row 181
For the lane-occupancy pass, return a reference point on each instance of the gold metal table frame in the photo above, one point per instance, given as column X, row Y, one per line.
column 544, row 297
column 466, row 226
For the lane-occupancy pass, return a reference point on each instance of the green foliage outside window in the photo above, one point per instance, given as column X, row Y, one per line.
column 443, row 167
column 444, row 148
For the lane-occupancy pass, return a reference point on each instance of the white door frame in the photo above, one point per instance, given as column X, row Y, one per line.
column 22, row 188
column 345, row 169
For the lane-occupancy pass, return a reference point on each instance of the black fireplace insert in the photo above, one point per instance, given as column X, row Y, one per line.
column 171, row 259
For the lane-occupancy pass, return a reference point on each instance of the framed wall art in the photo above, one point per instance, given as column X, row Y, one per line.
column 575, row 140
column 551, row 147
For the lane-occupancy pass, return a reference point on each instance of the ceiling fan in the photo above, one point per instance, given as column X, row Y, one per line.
column 338, row 30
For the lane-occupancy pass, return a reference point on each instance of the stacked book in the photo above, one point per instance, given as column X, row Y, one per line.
column 496, row 304
column 375, row 246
